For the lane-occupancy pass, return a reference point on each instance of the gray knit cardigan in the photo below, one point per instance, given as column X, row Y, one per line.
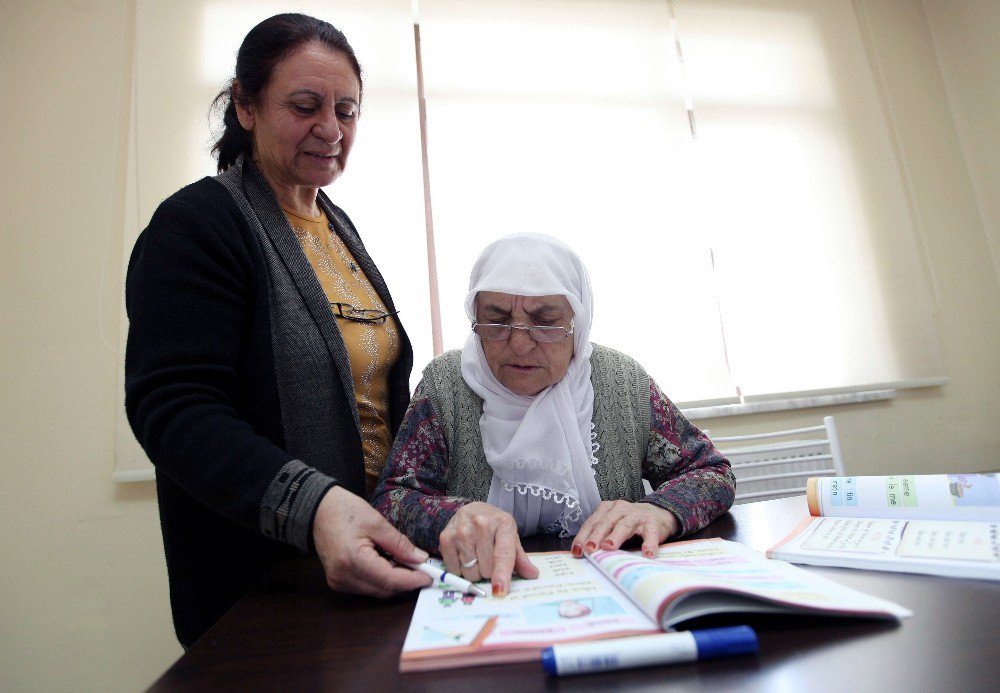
column 621, row 422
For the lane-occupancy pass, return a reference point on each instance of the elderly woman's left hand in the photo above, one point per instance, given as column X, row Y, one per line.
column 613, row 522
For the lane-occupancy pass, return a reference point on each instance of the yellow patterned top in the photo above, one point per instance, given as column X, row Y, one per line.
column 372, row 348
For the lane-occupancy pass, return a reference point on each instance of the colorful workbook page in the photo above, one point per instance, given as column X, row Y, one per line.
column 614, row 594
column 934, row 547
column 569, row 600
column 973, row 497
column 689, row 579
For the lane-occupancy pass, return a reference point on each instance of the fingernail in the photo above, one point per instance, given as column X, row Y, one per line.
column 499, row 590
column 647, row 554
column 421, row 555
column 591, row 546
column 576, row 551
column 608, row 545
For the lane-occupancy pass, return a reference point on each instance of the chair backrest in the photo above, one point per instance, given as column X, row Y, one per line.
column 777, row 464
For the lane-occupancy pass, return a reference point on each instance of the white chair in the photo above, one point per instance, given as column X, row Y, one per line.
column 780, row 465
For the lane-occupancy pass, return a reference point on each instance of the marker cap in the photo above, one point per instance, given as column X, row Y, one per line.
column 725, row 642
column 549, row 661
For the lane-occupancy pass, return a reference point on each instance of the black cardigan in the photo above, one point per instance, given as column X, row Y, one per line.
column 202, row 398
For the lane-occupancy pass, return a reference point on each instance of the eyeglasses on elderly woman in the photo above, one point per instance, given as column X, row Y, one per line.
column 540, row 333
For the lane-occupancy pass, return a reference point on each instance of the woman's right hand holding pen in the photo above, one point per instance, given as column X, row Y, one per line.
column 481, row 541
column 353, row 539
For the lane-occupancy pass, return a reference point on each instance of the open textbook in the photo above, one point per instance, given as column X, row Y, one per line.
column 938, row 524
column 615, row 594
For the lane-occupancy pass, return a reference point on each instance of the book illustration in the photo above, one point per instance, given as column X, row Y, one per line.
column 975, row 489
column 451, row 596
column 552, row 612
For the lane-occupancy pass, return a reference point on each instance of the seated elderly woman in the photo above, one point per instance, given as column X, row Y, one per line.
column 532, row 428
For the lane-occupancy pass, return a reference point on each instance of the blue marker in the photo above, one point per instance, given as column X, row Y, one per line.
column 648, row 650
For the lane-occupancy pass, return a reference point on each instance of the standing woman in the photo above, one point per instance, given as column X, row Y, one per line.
column 266, row 372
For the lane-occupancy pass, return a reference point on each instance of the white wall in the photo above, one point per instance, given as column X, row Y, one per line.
column 83, row 604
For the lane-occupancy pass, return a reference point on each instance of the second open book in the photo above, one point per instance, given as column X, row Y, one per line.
column 614, row 594
column 937, row 524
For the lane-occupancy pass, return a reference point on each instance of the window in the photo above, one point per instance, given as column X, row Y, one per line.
column 772, row 253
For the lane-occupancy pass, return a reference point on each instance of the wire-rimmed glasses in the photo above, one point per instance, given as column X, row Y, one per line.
column 373, row 316
column 496, row 332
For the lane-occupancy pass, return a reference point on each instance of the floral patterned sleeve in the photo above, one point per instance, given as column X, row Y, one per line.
column 411, row 492
column 690, row 478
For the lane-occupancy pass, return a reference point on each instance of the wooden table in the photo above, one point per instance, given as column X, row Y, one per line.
column 291, row 633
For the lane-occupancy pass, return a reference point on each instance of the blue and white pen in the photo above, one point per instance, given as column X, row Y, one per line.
column 450, row 579
column 648, row 650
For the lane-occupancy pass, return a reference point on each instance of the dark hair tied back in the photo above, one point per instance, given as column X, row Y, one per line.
column 262, row 50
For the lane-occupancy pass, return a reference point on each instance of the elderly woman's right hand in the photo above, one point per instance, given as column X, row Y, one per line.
column 481, row 541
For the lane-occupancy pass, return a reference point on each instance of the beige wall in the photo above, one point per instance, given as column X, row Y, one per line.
column 965, row 33
column 83, row 604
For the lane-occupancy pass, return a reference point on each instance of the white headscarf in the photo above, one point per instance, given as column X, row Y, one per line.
column 541, row 447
